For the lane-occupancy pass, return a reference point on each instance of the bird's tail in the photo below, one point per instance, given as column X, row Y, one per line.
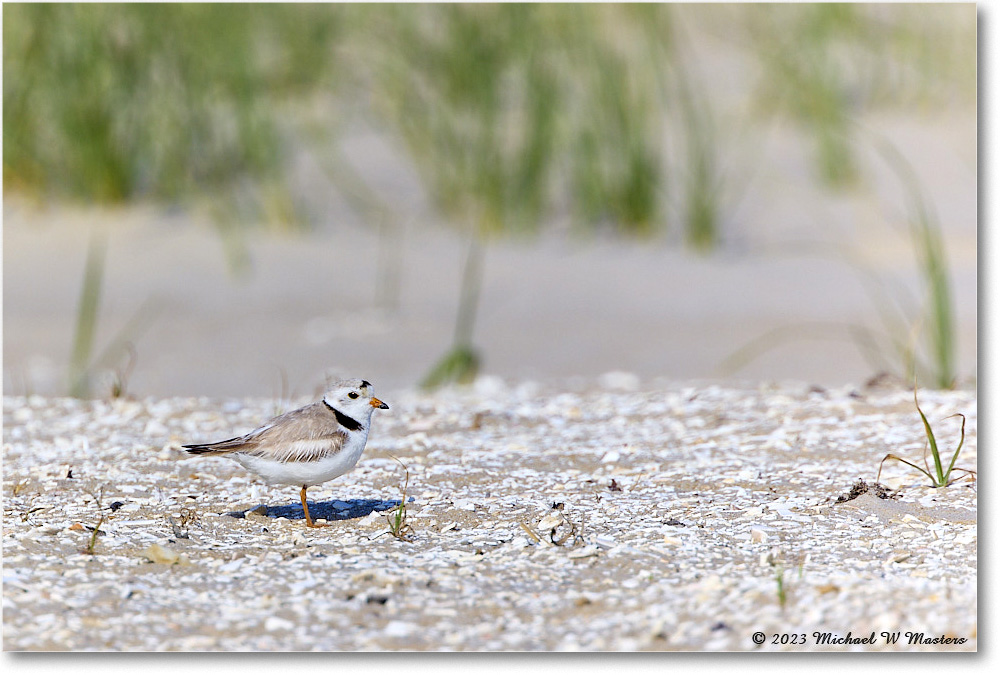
column 199, row 449
column 218, row 448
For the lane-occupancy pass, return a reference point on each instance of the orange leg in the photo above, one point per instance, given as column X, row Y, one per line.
column 305, row 509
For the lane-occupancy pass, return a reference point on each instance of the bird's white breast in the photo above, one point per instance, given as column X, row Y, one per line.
column 307, row 473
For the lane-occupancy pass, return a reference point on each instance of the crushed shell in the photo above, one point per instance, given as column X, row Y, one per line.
column 652, row 516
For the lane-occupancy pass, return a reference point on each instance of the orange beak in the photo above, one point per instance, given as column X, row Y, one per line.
column 375, row 403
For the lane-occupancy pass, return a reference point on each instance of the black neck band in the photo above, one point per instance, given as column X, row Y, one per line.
column 348, row 423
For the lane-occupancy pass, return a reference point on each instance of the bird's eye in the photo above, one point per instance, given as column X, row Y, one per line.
column 353, row 394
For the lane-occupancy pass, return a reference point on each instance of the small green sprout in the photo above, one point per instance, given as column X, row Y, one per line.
column 398, row 525
column 97, row 496
column 92, row 543
column 779, row 577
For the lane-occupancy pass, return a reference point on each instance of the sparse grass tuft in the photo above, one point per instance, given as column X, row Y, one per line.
column 399, row 527
column 941, row 477
column 917, row 338
column 460, row 364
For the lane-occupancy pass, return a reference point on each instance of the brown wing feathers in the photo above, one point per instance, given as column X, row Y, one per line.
column 299, row 435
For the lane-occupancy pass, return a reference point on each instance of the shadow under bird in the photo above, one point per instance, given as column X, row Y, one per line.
column 307, row 446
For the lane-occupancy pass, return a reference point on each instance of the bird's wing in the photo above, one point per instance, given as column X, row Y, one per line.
column 306, row 434
column 302, row 450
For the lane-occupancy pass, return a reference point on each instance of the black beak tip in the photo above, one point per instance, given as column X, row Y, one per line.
column 383, row 406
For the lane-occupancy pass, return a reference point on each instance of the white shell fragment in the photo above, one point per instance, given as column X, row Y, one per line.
column 161, row 554
column 611, row 515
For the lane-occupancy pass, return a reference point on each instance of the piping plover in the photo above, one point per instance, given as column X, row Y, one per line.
column 307, row 446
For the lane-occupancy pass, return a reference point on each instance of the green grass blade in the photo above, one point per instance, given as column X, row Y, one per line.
column 904, row 461
column 933, row 443
column 929, row 246
column 961, row 442
column 86, row 318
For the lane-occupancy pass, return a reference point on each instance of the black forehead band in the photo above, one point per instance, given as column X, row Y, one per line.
column 366, row 383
